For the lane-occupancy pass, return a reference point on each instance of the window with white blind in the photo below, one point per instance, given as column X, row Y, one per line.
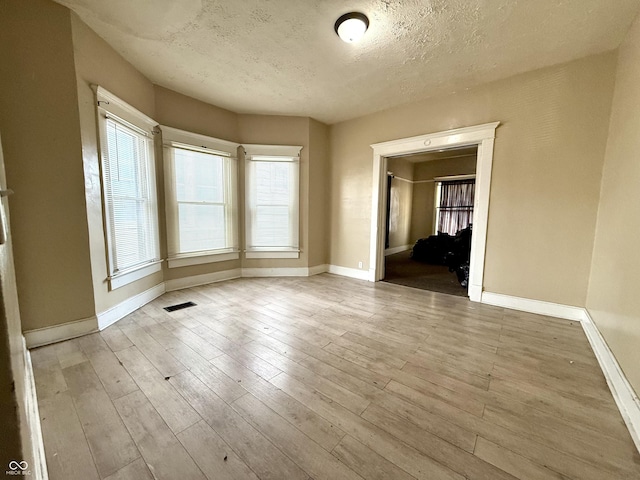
column 128, row 185
column 272, row 201
column 201, row 192
column 454, row 203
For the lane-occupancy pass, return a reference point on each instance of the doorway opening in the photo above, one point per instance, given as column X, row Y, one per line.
column 429, row 219
column 481, row 136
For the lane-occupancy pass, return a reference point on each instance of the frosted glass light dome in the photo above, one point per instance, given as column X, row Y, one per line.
column 350, row 27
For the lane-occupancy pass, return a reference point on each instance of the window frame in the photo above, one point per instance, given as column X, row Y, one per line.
column 276, row 153
column 438, row 193
column 111, row 107
column 175, row 138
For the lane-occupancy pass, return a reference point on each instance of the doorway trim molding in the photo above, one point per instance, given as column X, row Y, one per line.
column 481, row 135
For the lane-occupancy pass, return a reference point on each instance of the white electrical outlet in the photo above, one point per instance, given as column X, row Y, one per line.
column 359, row 264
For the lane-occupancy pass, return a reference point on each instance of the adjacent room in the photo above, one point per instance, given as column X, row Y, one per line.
column 430, row 220
column 295, row 240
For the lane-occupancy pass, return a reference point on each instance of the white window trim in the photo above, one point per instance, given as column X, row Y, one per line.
column 272, row 150
column 115, row 105
column 109, row 104
column 199, row 258
column 272, row 253
column 453, row 178
column 210, row 144
column 173, row 137
column 287, row 152
column 129, row 276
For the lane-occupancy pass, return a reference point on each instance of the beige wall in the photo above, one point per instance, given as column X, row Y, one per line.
column 318, row 193
column 400, row 201
column 546, row 174
column 179, row 111
column 96, row 63
column 43, row 155
column 423, row 210
column 613, row 299
column 401, row 167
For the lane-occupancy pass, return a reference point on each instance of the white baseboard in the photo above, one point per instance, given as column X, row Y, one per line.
column 475, row 292
column 197, row 280
column 39, row 462
column 533, row 306
column 284, row 272
column 622, row 391
column 59, row 333
column 78, row 328
column 372, row 275
column 121, row 310
column 66, row 331
column 350, row 272
column 394, row 250
column 275, row 272
column 625, row 397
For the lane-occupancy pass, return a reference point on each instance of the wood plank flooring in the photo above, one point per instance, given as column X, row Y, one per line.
column 329, row 378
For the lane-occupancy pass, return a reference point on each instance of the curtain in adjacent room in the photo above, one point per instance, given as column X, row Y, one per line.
column 455, row 210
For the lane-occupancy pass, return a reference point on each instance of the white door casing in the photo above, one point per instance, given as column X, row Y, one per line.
column 481, row 135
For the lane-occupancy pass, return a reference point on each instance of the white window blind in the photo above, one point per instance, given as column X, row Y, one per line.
column 201, row 192
column 454, row 207
column 128, row 189
column 272, row 208
column 200, row 182
column 129, row 194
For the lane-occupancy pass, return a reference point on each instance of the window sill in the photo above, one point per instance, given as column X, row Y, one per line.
column 125, row 278
column 186, row 260
column 272, row 253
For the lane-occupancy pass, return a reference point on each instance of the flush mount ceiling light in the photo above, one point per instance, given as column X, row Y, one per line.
column 351, row 26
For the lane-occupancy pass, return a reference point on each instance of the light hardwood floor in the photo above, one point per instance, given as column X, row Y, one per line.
column 328, row 377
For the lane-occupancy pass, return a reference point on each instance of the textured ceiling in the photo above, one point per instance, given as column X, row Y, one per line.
column 283, row 56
